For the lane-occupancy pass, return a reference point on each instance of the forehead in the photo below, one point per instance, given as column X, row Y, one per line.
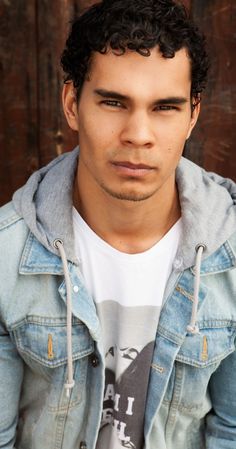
column 132, row 73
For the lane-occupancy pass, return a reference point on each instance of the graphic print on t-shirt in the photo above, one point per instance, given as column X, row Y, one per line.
column 124, row 399
column 127, row 373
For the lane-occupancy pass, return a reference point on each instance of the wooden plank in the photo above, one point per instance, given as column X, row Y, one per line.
column 53, row 19
column 213, row 142
column 53, row 23
column 18, row 94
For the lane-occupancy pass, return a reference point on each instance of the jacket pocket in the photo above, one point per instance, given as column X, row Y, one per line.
column 198, row 359
column 207, row 348
column 42, row 344
column 44, row 340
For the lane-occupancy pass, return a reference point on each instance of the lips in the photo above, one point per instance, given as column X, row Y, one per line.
column 130, row 169
column 132, row 166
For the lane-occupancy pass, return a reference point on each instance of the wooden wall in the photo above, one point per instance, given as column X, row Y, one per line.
column 213, row 142
column 32, row 128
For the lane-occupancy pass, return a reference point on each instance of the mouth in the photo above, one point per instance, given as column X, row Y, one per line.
column 127, row 168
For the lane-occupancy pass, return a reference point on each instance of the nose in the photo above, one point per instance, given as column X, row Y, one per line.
column 138, row 131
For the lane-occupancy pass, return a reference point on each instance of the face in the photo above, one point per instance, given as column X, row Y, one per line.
column 133, row 118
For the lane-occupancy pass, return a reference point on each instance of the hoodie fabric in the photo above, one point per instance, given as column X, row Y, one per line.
column 50, row 331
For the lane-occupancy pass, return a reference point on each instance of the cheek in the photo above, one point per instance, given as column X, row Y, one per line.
column 176, row 138
column 95, row 134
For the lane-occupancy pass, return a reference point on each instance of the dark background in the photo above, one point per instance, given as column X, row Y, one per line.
column 32, row 128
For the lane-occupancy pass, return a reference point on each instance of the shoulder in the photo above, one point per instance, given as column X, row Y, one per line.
column 11, row 221
column 8, row 215
column 13, row 234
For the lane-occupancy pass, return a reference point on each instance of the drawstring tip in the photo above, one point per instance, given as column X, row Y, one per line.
column 68, row 386
column 194, row 330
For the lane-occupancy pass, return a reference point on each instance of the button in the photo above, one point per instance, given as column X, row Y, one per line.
column 76, row 288
column 83, row 445
column 177, row 264
column 94, row 360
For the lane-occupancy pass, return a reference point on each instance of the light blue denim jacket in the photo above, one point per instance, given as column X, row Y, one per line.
column 191, row 401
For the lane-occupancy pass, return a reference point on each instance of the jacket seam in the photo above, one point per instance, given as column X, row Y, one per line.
column 202, row 365
column 10, row 221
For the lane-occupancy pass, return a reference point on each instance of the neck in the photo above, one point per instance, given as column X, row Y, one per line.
column 128, row 226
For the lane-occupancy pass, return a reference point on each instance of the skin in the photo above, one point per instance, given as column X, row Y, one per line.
column 133, row 118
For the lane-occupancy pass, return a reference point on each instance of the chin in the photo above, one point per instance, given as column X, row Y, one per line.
column 128, row 195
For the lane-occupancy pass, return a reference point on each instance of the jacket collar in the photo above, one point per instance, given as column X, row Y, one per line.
column 221, row 260
column 36, row 259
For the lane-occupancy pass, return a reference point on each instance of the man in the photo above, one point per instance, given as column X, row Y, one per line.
column 118, row 281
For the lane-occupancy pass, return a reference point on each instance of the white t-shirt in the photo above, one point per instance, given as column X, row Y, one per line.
column 128, row 292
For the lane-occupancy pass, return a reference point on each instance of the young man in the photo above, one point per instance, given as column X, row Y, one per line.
column 118, row 280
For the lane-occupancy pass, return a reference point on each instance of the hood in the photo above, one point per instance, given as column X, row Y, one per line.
column 45, row 203
column 208, row 204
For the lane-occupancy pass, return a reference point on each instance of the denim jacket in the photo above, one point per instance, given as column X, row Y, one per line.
column 191, row 401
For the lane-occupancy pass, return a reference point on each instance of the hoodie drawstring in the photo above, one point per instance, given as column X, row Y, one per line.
column 193, row 327
column 70, row 381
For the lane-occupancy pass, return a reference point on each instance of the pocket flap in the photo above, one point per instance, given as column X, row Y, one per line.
column 208, row 347
column 45, row 340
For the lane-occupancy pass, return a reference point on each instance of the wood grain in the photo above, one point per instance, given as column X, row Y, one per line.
column 18, row 95
column 213, row 142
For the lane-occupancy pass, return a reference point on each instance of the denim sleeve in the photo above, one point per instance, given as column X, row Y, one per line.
column 11, row 375
column 221, row 422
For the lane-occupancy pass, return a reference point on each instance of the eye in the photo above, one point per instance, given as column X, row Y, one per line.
column 112, row 103
column 166, row 107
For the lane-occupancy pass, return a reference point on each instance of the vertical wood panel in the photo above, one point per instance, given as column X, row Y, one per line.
column 18, row 113
column 53, row 23
column 213, row 142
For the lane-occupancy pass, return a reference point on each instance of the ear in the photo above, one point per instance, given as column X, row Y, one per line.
column 70, row 108
column 194, row 117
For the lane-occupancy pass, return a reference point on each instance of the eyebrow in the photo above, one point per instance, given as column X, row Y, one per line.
column 161, row 101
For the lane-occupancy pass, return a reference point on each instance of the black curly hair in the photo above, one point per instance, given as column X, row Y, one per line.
column 137, row 25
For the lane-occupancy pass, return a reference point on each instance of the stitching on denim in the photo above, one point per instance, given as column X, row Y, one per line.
column 56, row 363
column 184, row 293
column 45, row 321
column 11, row 220
column 27, row 249
column 215, row 270
column 216, row 324
column 45, row 269
column 202, row 365
column 64, row 408
column 158, row 368
column 174, row 338
column 230, row 249
column 175, row 398
column 184, row 407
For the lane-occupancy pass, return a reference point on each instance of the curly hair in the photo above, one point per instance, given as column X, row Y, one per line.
column 137, row 25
